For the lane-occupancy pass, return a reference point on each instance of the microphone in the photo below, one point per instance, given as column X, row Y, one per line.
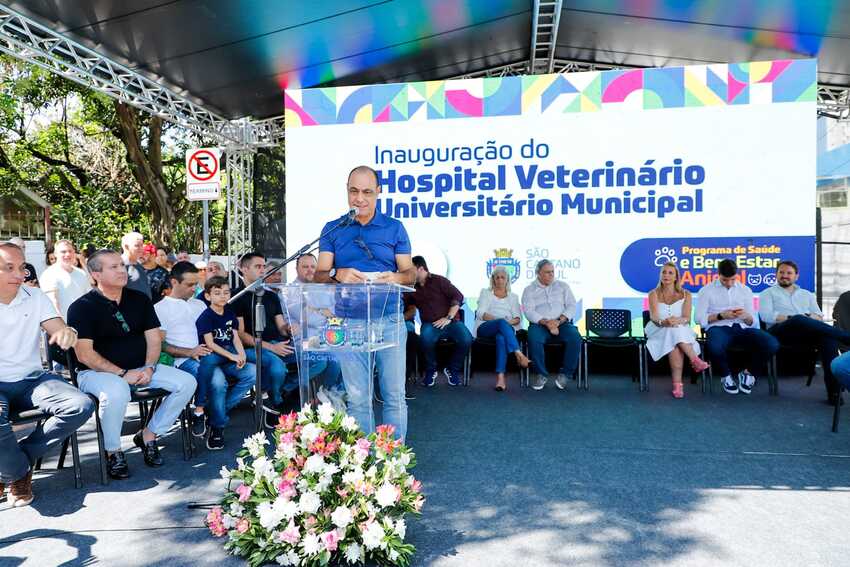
column 349, row 217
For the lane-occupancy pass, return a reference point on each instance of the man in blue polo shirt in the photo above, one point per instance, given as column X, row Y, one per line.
column 372, row 248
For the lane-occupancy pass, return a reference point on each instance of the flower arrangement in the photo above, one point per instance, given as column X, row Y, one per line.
column 329, row 495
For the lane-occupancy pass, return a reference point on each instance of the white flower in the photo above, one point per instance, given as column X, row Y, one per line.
column 373, row 535
column 236, row 509
column 311, row 544
column 371, row 511
column 349, row 423
column 314, row 464
column 309, row 502
column 240, row 463
column 303, row 485
column 372, row 472
column 341, row 517
column 400, row 528
column 228, row 521
column 393, row 555
column 405, row 459
column 224, row 473
column 255, row 444
column 331, row 469
column 326, row 414
column 386, row 495
column 352, row 553
column 305, row 414
column 352, row 477
column 324, row 482
column 286, row 450
column 310, row 432
column 269, row 517
column 264, row 468
column 287, row 508
column 290, row 558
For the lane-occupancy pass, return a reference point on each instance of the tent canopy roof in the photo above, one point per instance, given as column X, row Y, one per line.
column 235, row 58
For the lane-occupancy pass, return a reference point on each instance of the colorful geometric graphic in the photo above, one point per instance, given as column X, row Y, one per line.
column 765, row 82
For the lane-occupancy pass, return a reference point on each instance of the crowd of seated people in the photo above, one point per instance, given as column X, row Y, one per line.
column 141, row 317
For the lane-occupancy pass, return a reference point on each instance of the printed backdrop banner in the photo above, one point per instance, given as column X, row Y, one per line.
column 608, row 174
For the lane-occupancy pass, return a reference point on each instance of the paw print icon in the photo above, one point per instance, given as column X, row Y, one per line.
column 665, row 254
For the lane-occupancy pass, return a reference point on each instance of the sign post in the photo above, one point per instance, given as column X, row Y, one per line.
column 203, row 183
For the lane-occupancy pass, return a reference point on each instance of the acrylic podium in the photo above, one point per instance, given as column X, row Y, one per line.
column 348, row 324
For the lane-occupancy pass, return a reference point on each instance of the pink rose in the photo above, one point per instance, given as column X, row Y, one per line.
column 244, row 492
column 243, row 525
column 310, row 521
column 331, row 540
column 291, row 534
column 286, row 489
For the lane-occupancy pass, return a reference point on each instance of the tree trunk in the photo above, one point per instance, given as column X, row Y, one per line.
column 147, row 170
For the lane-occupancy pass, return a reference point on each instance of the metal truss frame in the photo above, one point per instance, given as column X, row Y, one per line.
column 26, row 39
column 544, row 35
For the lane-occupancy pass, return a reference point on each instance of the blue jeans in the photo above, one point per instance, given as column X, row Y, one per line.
column 359, row 384
column 505, row 336
column 327, row 371
column 68, row 407
column 800, row 329
column 275, row 379
column 215, row 392
column 428, row 337
column 113, row 394
column 759, row 346
column 841, row 369
column 539, row 335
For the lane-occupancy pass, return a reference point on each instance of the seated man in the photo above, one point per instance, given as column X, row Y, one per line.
column 793, row 316
column 276, row 349
column 438, row 302
column 724, row 308
column 325, row 368
column 550, row 307
column 177, row 315
column 24, row 385
column 118, row 349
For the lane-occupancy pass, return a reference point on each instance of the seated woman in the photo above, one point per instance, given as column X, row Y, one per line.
column 498, row 317
column 668, row 331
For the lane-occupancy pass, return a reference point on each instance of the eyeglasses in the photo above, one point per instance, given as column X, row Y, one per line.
column 120, row 317
column 362, row 244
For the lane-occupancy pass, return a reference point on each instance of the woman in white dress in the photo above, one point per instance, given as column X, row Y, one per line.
column 669, row 330
column 498, row 317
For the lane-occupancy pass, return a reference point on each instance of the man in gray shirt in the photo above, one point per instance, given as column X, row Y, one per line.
column 793, row 316
column 133, row 246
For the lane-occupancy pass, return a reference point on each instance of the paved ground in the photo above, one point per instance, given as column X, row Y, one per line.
column 605, row 477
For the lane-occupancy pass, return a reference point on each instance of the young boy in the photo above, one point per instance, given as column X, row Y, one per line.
column 217, row 330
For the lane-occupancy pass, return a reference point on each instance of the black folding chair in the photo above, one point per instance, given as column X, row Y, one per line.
column 37, row 416
column 793, row 352
column 702, row 377
column 149, row 399
column 611, row 328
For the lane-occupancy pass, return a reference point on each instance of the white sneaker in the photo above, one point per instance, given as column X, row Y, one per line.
column 729, row 385
column 561, row 381
column 539, row 382
column 746, row 381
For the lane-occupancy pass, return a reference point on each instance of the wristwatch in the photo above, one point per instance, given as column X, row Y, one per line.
column 122, row 373
column 720, row 316
column 332, row 274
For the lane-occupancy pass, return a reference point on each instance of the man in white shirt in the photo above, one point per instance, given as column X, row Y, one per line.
column 793, row 316
column 724, row 309
column 550, row 308
column 133, row 247
column 64, row 282
column 24, row 384
column 177, row 314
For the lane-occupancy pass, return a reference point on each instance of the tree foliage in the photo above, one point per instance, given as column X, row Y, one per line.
column 105, row 167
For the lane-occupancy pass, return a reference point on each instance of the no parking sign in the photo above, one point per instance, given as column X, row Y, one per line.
column 203, row 174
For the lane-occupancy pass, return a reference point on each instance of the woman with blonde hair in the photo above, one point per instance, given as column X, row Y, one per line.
column 669, row 330
column 498, row 316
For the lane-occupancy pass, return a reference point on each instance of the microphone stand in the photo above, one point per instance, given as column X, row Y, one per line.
column 259, row 310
